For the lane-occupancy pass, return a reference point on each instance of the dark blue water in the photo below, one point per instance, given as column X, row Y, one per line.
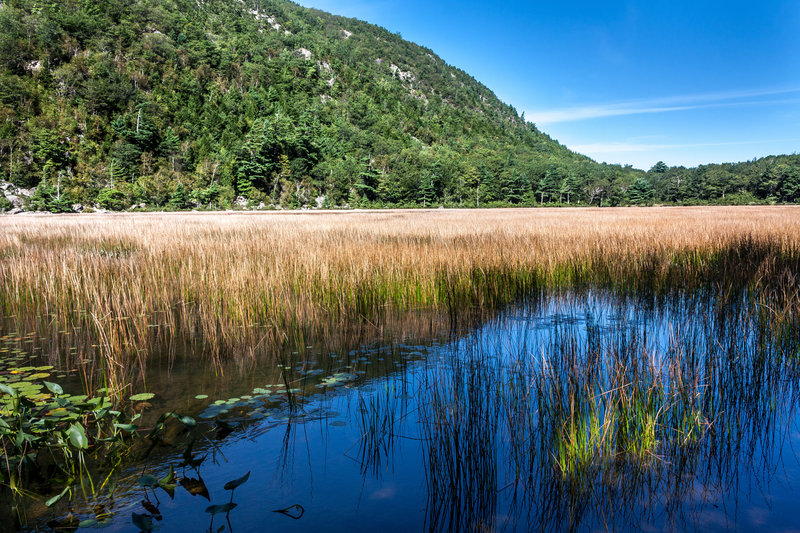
column 450, row 432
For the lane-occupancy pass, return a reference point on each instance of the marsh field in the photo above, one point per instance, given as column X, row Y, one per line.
column 453, row 370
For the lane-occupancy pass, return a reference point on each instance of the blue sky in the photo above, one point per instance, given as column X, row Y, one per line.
column 624, row 82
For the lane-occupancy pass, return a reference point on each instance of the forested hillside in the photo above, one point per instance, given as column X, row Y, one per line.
column 215, row 103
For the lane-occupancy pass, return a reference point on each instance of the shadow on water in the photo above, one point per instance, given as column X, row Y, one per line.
column 570, row 410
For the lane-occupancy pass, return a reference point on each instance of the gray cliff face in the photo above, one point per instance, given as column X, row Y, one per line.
column 12, row 198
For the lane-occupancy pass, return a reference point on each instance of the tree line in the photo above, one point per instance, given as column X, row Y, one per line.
column 176, row 104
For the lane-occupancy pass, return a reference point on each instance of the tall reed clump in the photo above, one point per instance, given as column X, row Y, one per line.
column 124, row 287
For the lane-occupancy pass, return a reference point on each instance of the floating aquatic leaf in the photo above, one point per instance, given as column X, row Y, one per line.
column 89, row 522
column 55, row 388
column 201, row 397
column 231, row 485
column 211, row 412
column 142, row 397
column 147, row 481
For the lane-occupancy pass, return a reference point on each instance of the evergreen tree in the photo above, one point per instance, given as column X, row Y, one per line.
column 641, row 192
column 255, row 167
column 548, row 185
column 514, row 189
column 569, row 186
column 426, row 193
column 179, row 199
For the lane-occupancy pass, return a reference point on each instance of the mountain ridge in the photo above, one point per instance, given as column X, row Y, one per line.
column 213, row 103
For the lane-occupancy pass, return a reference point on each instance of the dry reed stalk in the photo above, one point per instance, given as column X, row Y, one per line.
column 133, row 283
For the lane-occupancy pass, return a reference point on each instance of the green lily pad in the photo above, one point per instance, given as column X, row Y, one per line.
column 142, row 397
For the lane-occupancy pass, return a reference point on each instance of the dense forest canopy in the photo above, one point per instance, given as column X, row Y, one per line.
column 214, row 103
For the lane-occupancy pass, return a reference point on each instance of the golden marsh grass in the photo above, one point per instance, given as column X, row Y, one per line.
column 131, row 285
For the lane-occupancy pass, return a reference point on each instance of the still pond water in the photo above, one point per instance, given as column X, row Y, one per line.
column 569, row 411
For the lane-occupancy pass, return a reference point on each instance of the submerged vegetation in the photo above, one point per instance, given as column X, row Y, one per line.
column 595, row 355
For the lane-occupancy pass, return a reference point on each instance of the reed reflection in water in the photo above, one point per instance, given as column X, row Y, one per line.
column 570, row 410
column 596, row 411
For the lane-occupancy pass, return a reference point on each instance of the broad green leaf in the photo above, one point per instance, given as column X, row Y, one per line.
column 22, row 438
column 185, row 420
column 8, row 390
column 52, row 501
column 77, row 436
column 142, row 397
column 167, row 483
column 148, row 481
column 169, row 478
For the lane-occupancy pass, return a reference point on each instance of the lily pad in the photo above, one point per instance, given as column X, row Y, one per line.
column 142, row 397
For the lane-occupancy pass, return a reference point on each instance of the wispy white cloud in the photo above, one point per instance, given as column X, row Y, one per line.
column 659, row 105
column 619, row 147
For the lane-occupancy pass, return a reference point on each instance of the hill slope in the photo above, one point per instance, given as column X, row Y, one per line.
column 165, row 102
column 185, row 103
